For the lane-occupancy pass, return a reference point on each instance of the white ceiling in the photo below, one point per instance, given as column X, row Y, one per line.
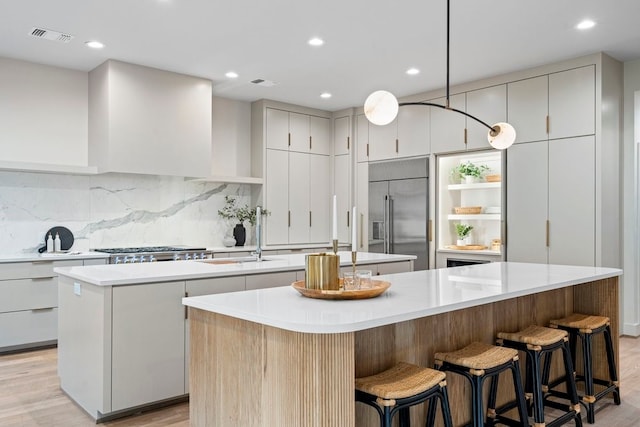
column 369, row 44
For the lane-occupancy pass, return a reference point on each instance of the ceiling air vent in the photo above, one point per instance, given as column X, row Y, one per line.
column 263, row 82
column 55, row 36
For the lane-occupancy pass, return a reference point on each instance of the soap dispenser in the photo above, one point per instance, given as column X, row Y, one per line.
column 57, row 243
column 50, row 243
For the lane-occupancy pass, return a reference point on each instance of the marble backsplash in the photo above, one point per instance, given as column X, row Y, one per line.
column 112, row 210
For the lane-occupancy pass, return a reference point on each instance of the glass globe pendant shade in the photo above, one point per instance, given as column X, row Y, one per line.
column 502, row 136
column 381, row 107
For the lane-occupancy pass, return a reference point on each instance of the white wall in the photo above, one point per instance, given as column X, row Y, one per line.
column 630, row 295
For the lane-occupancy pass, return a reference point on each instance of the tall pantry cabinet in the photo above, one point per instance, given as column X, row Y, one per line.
column 291, row 148
column 561, row 172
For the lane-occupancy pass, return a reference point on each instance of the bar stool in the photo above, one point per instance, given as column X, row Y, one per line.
column 477, row 362
column 538, row 342
column 402, row 386
column 585, row 327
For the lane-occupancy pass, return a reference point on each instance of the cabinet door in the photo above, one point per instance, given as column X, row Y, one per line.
column 270, row 280
column 320, row 199
column 572, row 98
column 362, row 191
column 572, row 201
column 527, row 202
column 362, row 138
column 527, row 108
column 300, row 132
column 320, row 133
column 413, row 131
column 341, row 136
column 383, row 141
column 277, row 129
column 490, row 106
column 277, row 197
column 447, row 127
column 148, row 344
column 299, row 197
column 342, row 184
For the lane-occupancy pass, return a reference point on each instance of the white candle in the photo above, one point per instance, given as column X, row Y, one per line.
column 353, row 231
column 334, row 234
column 258, row 215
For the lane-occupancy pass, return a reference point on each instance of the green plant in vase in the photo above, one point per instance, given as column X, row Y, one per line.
column 469, row 172
column 239, row 214
column 462, row 231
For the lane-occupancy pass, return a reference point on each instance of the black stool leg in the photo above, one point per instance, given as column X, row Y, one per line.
column 491, row 403
column 476, row 399
column 517, row 385
column 386, row 418
column 571, row 384
column 446, row 410
column 589, row 398
column 613, row 374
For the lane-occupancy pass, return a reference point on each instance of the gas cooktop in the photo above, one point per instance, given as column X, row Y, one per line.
column 149, row 249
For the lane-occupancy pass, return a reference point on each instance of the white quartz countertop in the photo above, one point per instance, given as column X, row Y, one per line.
column 411, row 296
column 55, row 256
column 165, row 271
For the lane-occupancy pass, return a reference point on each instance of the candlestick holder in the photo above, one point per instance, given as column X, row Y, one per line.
column 354, row 257
column 335, row 246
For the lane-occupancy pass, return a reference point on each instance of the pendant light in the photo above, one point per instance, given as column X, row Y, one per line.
column 381, row 108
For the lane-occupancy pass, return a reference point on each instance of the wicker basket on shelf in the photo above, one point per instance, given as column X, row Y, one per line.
column 467, row 210
column 493, row 178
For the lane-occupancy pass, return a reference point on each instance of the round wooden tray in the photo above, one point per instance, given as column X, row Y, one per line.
column 467, row 247
column 378, row 287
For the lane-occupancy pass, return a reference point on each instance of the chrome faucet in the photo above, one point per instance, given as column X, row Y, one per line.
column 258, row 251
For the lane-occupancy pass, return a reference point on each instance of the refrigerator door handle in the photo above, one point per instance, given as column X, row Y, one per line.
column 391, row 232
column 385, row 242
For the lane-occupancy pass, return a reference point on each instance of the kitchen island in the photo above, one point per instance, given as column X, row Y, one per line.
column 274, row 357
column 123, row 332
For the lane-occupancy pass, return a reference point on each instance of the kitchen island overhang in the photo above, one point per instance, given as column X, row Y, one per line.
column 303, row 354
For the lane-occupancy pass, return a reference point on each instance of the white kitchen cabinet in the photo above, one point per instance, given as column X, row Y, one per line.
column 341, row 135
column 362, row 138
column 362, row 203
column 342, row 190
column 383, row 141
column 320, row 134
column 490, row 106
column 28, row 303
column 148, row 344
column 319, row 198
column 553, row 106
column 413, row 131
column 394, row 267
column 277, row 129
column 145, row 120
column 551, row 207
column 299, row 132
column 277, row 197
column 447, row 127
column 528, row 107
column 572, row 103
column 270, row 280
column 299, row 197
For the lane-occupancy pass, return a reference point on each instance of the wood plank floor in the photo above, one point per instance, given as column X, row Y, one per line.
column 30, row 395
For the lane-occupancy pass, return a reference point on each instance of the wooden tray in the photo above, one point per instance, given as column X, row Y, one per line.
column 467, row 210
column 378, row 287
column 467, row 247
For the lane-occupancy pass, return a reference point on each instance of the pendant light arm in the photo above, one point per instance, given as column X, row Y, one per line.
column 431, row 104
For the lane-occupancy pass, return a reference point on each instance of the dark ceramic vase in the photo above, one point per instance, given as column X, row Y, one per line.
column 240, row 234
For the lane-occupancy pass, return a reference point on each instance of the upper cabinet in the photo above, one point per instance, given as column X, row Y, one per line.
column 406, row 136
column 553, row 106
column 362, row 138
column 43, row 117
column 447, row 127
column 342, row 135
column 145, row 120
column 297, row 132
column 490, row 106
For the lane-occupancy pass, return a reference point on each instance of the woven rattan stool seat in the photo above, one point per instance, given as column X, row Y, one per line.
column 584, row 322
column 535, row 335
column 478, row 356
column 403, row 380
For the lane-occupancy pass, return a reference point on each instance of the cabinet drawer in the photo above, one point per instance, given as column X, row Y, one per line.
column 28, row 294
column 33, row 269
column 395, row 267
column 215, row 286
column 28, row 327
column 271, row 280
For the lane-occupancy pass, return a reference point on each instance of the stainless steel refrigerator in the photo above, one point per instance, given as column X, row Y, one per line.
column 398, row 208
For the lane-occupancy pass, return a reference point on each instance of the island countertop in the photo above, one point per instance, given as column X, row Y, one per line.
column 411, row 296
column 127, row 274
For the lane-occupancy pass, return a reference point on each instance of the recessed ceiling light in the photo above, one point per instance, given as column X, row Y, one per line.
column 316, row 41
column 325, row 95
column 413, row 71
column 586, row 24
column 94, row 44
column 232, row 75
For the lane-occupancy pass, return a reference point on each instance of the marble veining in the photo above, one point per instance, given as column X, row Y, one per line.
column 112, row 210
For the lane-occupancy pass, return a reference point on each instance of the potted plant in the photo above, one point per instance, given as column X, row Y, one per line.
column 240, row 214
column 469, row 172
column 463, row 230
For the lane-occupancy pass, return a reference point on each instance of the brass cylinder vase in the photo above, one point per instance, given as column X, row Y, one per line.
column 322, row 271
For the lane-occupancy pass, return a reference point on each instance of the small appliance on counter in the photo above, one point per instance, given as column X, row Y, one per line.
column 154, row 253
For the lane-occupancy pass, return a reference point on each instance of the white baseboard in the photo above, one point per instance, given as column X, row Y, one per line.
column 631, row 329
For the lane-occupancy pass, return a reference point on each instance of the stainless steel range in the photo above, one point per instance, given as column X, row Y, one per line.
column 154, row 253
